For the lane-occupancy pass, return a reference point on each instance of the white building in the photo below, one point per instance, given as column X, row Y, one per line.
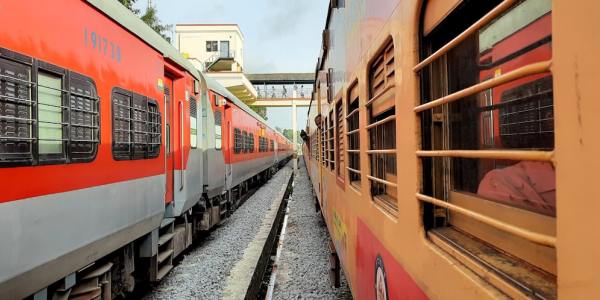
column 218, row 51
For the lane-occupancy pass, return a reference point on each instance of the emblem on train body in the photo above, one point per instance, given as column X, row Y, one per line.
column 381, row 289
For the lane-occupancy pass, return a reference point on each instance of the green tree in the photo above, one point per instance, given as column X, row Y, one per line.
column 150, row 17
column 288, row 133
column 260, row 110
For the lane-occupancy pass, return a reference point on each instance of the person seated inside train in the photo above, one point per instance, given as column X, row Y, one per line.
column 526, row 184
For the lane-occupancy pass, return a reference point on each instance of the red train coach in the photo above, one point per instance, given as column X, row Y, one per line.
column 114, row 151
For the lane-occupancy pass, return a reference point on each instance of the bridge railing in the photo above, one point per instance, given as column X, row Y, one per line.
column 279, row 92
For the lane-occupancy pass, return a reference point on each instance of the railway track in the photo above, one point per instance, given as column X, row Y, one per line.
column 232, row 261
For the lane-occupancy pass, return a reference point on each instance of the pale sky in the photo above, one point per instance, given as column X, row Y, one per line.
column 279, row 35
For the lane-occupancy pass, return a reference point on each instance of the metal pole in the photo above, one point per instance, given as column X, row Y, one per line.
column 294, row 134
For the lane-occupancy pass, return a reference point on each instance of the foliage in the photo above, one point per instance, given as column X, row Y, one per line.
column 260, row 110
column 150, row 17
column 288, row 133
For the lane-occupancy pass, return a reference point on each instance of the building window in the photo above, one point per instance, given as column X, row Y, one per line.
column 339, row 124
column 59, row 125
column 136, row 126
column 194, row 123
column 382, row 129
column 212, row 46
column 353, row 136
column 238, row 141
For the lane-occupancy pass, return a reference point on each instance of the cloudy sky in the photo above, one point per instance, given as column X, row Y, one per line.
column 280, row 35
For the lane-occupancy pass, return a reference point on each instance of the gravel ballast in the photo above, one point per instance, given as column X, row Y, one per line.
column 303, row 271
column 203, row 272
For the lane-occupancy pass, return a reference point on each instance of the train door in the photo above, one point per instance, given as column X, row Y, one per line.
column 169, row 158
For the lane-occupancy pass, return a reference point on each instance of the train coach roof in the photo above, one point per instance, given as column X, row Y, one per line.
column 134, row 24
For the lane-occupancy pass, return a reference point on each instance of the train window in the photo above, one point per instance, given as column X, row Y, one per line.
column 136, row 126
column 51, row 127
column 272, row 145
column 324, row 144
column 84, row 118
column 251, row 145
column 353, row 136
column 381, row 71
column 331, row 141
column 194, row 123
column 154, row 132
column 244, row 141
column 16, row 114
column 511, row 118
column 61, row 127
column 339, row 124
column 218, row 130
column 382, row 129
column 238, row 141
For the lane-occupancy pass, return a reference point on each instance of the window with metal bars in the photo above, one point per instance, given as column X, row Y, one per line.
column 218, row 130
column 487, row 120
column 238, row 141
column 194, row 124
column 245, row 142
column 353, row 136
column 331, row 141
column 251, row 142
column 323, row 135
column 272, row 145
column 381, row 129
column 136, row 126
column 339, row 125
column 49, row 118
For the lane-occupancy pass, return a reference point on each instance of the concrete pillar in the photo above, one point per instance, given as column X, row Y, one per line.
column 294, row 134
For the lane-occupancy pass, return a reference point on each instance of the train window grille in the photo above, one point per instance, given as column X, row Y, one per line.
column 331, row 141
column 136, row 126
column 218, row 130
column 323, row 135
column 251, row 145
column 238, row 141
column 495, row 73
column 353, row 136
column 194, row 123
column 52, row 119
column 382, row 129
column 245, row 141
column 339, row 124
column 272, row 145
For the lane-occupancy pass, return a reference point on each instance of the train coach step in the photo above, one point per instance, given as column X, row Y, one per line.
column 163, row 272
column 164, row 256
column 163, row 239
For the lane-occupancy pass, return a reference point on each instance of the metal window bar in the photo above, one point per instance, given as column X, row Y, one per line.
column 485, row 20
column 529, row 155
column 531, row 69
column 529, row 235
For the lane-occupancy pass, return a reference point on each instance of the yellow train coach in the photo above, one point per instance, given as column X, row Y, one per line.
column 453, row 150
